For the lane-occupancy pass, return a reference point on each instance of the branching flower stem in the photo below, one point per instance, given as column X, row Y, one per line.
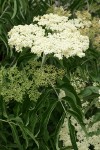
column 58, row 97
column 9, row 122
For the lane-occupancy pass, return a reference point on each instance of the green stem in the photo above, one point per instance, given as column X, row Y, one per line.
column 8, row 122
column 88, row 7
column 58, row 98
column 43, row 60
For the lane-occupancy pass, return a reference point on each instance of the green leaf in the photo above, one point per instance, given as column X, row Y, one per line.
column 72, row 134
column 57, row 130
column 15, row 136
column 78, row 118
column 70, row 94
column 89, row 90
column 3, row 136
column 30, row 134
column 15, row 9
column 24, row 135
column 67, row 86
column 19, row 122
column 23, row 5
column 3, row 5
column 41, row 102
column 96, row 117
column 25, row 56
column 3, row 107
column 2, row 38
column 73, row 106
column 70, row 99
column 17, row 119
column 98, row 1
column 33, row 120
column 46, row 117
column 43, row 146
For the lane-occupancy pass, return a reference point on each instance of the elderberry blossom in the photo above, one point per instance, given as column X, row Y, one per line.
column 83, row 141
column 50, row 34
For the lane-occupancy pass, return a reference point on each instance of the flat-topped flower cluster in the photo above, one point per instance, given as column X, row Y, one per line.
column 49, row 34
column 83, row 142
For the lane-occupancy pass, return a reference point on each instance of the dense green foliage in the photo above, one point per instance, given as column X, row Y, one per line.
column 31, row 112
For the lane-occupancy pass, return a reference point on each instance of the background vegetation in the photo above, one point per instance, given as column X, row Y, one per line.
column 27, row 124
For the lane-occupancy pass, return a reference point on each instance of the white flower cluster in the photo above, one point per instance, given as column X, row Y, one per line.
column 52, row 34
column 24, row 36
column 61, row 94
column 80, row 23
column 83, row 142
column 84, row 104
column 99, row 96
column 78, row 83
column 54, row 22
column 95, row 83
column 64, row 134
